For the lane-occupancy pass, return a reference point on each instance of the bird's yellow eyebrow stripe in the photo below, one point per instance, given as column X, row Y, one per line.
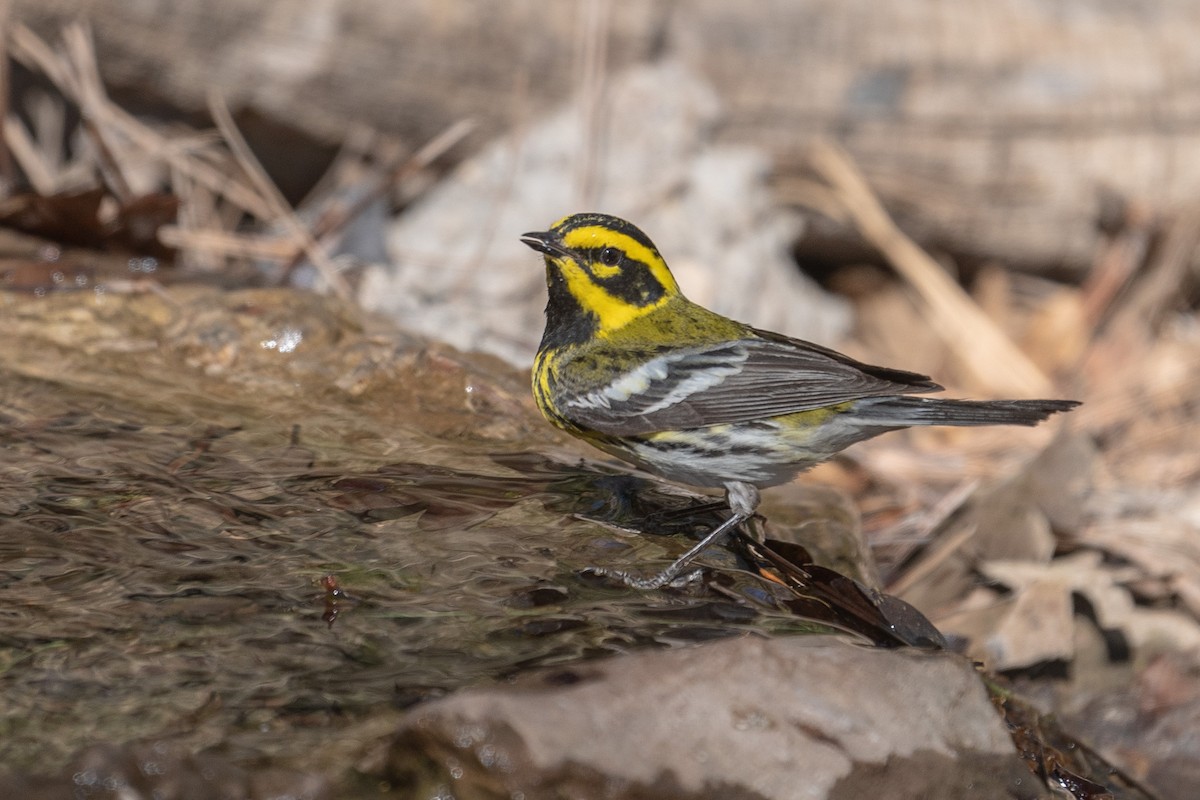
column 592, row 236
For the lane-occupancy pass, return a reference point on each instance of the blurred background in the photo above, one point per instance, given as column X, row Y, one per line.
column 1004, row 194
column 1021, row 135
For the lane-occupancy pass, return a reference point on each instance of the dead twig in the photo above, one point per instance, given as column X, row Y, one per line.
column 28, row 48
column 269, row 192
column 1158, row 288
column 8, row 176
column 21, row 145
column 434, row 149
column 1118, row 261
column 593, row 70
column 226, row 243
column 922, row 530
column 981, row 347
column 944, row 549
column 93, row 102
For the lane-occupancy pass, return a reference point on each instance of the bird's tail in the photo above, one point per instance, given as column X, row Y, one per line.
column 903, row 411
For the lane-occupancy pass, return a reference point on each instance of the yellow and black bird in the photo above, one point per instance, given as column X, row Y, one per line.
column 632, row 366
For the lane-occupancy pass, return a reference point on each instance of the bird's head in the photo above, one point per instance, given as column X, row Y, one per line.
column 602, row 273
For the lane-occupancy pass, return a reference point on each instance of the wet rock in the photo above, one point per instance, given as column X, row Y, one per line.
column 163, row 771
column 264, row 520
column 747, row 718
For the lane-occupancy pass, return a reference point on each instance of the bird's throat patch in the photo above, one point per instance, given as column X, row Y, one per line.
column 615, row 300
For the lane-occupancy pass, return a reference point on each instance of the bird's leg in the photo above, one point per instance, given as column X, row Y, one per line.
column 743, row 502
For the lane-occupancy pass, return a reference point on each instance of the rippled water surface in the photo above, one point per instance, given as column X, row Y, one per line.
column 270, row 555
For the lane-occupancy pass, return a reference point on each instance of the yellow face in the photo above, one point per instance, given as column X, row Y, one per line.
column 609, row 268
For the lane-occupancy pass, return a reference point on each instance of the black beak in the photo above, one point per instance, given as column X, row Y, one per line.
column 544, row 242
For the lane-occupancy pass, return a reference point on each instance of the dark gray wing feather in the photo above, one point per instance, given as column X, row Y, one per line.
column 731, row 382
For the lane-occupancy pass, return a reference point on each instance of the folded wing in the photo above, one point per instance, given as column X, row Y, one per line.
column 731, row 382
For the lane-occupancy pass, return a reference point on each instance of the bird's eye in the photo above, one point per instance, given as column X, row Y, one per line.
column 610, row 256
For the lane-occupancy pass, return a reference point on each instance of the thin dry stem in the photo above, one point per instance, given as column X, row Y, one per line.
column 226, row 244
column 329, row 226
column 36, row 54
column 432, row 150
column 93, row 102
column 26, row 152
column 594, row 46
column 1159, row 287
column 274, row 199
column 8, row 175
column 944, row 549
column 981, row 347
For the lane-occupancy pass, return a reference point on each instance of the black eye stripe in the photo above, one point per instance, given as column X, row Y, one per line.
column 634, row 283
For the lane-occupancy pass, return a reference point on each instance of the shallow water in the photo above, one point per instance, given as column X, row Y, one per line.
column 208, row 539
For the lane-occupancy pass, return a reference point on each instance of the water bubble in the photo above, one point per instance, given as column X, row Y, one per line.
column 286, row 341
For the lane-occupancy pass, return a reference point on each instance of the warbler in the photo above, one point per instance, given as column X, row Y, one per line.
column 630, row 365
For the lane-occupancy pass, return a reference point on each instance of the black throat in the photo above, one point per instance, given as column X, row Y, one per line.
column 566, row 320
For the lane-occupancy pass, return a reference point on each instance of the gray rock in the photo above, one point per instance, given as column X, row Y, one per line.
column 811, row 717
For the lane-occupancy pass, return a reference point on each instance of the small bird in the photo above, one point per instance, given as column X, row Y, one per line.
column 630, row 365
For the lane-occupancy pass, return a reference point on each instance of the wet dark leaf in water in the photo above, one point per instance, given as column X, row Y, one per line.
column 537, row 597
column 908, row 623
column 1056, row 757
column 75, row 218
column 370, row 499
column 823, row 595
